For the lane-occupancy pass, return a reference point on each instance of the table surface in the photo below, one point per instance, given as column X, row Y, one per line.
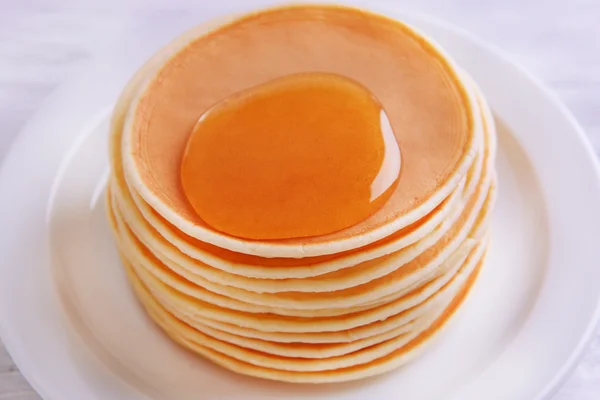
column 43, row 42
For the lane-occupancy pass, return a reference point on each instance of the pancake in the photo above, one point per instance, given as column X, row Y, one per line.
column 424, row 95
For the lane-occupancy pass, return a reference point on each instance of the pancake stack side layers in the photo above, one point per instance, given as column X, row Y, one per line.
column 289, row 281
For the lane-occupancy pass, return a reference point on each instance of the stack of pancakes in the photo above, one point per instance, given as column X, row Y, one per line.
column 337, row 307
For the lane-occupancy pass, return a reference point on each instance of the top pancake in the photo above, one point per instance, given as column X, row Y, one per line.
column 431, row 111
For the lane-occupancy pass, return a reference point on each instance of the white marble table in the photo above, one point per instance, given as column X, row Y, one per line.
column 43, row 42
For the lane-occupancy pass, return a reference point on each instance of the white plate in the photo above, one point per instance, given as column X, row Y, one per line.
column 71, row 324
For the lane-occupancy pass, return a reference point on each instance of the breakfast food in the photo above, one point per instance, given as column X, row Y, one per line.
column 303, row 193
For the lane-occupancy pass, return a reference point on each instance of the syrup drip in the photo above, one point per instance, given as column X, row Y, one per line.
column 303, row 155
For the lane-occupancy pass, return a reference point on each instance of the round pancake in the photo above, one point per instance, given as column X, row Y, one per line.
column 151, row 158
